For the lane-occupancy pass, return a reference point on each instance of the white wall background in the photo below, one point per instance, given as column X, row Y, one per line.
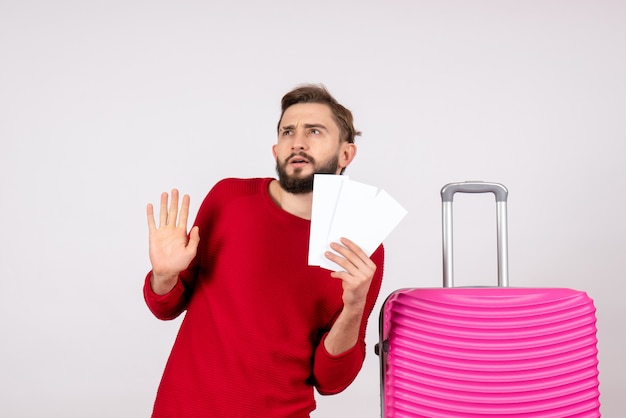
column 103, row 105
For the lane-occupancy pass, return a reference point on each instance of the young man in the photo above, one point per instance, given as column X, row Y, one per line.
column 262, row 328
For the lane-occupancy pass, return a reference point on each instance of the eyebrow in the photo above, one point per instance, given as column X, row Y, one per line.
column 315, row 125
column 306, row 126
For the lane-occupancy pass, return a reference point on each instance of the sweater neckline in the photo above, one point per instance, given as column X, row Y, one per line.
column 265, row 189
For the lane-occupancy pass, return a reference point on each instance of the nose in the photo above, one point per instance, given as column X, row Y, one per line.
column 300, row 140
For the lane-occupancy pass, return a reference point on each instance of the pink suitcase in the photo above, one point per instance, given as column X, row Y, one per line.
column 487, row 352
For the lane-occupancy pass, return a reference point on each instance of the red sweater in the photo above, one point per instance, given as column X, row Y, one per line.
column 251, row 342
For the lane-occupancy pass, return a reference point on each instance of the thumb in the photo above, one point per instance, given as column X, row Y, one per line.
column 194, row 238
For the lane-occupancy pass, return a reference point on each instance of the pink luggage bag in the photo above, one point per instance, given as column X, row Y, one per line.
column 487, row 352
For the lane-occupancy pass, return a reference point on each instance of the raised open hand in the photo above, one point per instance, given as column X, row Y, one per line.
column 171, row 251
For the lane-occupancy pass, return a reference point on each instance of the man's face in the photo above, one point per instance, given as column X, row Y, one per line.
column 308, row 144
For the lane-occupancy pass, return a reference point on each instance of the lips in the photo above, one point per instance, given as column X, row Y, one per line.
column 299, row 159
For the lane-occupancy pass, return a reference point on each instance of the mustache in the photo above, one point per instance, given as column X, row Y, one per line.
column 300, row 154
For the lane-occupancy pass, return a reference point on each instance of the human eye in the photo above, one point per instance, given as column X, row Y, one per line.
column 287, row 132
column 314, row 131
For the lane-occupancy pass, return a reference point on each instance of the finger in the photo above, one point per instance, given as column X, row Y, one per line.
column 347, row 254
column 340, row 261
column 150, row 214
column 353, row 247
column 355, row 264
column 340, row 274
column 358, row 251
column 163, row 210
column 173, row 212
column 184, row 213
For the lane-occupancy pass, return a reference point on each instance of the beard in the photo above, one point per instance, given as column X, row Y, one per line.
column 296, row 184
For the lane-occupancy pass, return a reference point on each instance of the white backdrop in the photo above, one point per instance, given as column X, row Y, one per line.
column 103, row 105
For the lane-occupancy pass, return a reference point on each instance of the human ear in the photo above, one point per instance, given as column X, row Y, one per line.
column 347, row 154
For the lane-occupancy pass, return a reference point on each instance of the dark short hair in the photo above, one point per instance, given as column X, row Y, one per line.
column 317, row 93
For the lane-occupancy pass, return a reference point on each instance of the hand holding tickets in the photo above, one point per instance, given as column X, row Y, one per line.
column 345, row 208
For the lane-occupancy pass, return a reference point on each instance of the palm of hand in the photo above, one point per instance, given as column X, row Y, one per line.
column 170, row 249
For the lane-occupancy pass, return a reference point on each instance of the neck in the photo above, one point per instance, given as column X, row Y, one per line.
column 299, row 205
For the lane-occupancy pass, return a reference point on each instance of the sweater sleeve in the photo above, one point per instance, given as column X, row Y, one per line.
column 167, row 306
column 332, row 373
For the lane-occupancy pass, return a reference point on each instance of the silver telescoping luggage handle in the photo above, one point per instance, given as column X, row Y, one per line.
column 447, row 196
